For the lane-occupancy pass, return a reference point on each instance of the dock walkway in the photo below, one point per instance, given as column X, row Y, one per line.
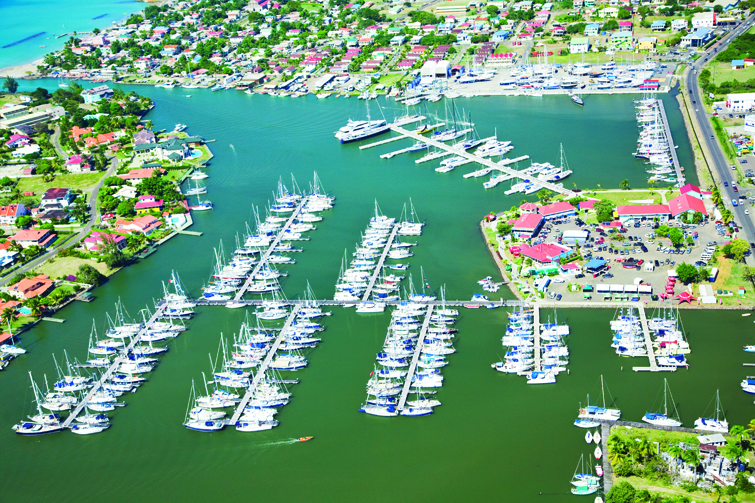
column 505, row 162
column 670, row 140
column 113, row 367
column 648, row 344
column 481, row 160
column 538, row 353
column 380, row 263
column 263, row 367
column 273, row 245
column 415, row 358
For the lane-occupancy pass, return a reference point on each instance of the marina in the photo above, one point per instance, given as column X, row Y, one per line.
column 415, row 358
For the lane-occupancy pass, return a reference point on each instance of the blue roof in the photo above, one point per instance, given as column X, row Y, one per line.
column 701, row 33
column 592, row 25
column 658, row 23
column 595, row 263
column 738, row 62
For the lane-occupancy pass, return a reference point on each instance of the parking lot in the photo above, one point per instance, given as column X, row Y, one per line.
column 627, row 252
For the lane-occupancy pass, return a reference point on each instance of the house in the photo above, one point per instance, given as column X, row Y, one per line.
column 78, row 164
column 591, row 29
column 741, row 102
column 679, row 24
column 642, row 212
column 26, row 150
column 96, row 94
column 737, row 64
column 17, row 140
column 38, row 286
column 545, row 254
column 54, row 216
column 557, row 210
column 8, row 214
column 93, row 242
column 7, row 257
column 148, row 203
column 705, row 19
column 125, row 192
column 622, row 39
column 658, row 25
column 146, row 224
column 173, row 150
column 698, row 38
column 34, row 237
column 691, row 190
column 625, row 26
column 137, row 175
column 579, row 45
column 685, row 206
column 646, row 44
column 527, row 225
column 59, row 197
column 77, row 132
column 587, row 205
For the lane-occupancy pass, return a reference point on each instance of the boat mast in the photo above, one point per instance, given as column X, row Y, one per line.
column 602, row 388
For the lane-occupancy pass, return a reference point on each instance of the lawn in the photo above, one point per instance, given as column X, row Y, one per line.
column 36, row 184
column 628, row 197
column 60, row 267
column 722, row 72
column 730, row 278
column 491, row 237
column 175, row 174
column 391, row 79
column 596, row 57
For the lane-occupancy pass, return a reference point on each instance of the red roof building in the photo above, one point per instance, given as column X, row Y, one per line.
column 557, row 210
column 32, row 237
column 545, row 254
column 527, row 225
column 528, row 208
column 686, row 204
column 692, row 190
column 587, row 205
column 146, row 225
column 32, row 287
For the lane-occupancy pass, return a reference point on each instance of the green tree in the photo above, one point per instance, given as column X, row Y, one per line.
column 686, row 272
column 125, row 208
column 604, row 210
column 10, row 84
column 79, row 212
column 112, row 254
column 624, row 185
column 624, row 14
column 738, row 249
column 726, row 215
column 8, row 316
column 89, row 275
column 733, row 450
column 23, row 221
column 676, row 236
column 622, row 492
column 492, row 10
column 503, row 227
column 34, row 304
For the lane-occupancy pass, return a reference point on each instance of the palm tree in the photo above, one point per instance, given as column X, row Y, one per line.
column 692, row 457
column 34, row 304
column 726, row 215
column 751, row 427
column 8, row 315
column 617, row 449
column 733, row 450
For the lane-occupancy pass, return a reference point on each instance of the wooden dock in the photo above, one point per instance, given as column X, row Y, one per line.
column 415, row 358
column 270, row 249
column 55, row 320
column 189, row 233
column 263, row 367
column 380, row 263
column 670, row 140
column 113, row 367
column 505, row 162
column 649, row 345
column 536, row 337
column 483, row 161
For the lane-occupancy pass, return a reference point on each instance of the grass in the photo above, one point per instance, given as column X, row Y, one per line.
column 660, row 436
column 60, row 267
column 391, row 79
column 175, row 174
column 722, row 72
column 624, row 197
column 490, row 235
column 730, row 278
column 723, row 139
column 84, row 182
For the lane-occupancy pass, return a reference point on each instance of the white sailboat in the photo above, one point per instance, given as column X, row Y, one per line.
column 663, row 419
column 717, row 425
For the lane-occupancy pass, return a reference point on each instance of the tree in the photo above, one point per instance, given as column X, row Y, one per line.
column 733, row 450
column 617, row 449
column 738, row 249
column 503, row 228
column 676, row 236
column 135, row 241
column 726, row 215
column 544, row 195
column 686, row 272
column 716, row 196
column 34, row 304
column 23, row 221
column 492, row 10
column 125, row 208
column 89, row 275
column 621, row 493
column 111, row 253
column 624, row 14
column 624, row 185
column 79, row 212
column 8, row 316
column 10, row 84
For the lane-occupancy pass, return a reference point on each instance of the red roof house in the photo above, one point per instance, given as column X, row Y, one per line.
column 692, row 190
column 557, row 210
column 32, row 287
column 32, row 237
column 545, row 254
column 686, row 204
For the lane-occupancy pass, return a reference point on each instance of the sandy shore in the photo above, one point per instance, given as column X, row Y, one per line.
column 21, row 71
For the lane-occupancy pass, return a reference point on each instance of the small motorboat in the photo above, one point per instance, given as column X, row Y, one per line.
column 304, row 439
column 234, row 304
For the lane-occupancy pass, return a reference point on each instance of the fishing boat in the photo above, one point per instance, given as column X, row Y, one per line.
column 662, row 419
column 716, row 424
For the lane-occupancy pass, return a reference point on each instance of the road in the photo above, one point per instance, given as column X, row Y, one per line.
column 55, row 140
column 719, row 161
column 114, row 162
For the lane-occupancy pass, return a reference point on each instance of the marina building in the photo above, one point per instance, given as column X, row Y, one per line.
column 96, row 94
column 642, row 212
column 527, row 226
column 685, row 206
column 545, row 254
column 704, row 19
column 557, row 210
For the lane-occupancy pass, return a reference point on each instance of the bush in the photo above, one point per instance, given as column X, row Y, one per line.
column 90, row 275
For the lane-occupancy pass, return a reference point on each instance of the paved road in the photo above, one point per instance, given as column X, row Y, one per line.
column 114, row 162
column 719, row 161
column 55, row 140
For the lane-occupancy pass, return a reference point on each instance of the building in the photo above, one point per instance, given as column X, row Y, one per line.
column 679, row 24
column 686, row 205
column 57, row 197
column 579, row 45
column 96, row 239
column 625, row 26
column 34, row 237
column 575, row 236
column 658, row 25
column 692, row 190
column 705, row 19
column 17, row 140
column 527, row 225
column 148, row 203
column 555, row 211
column 621, row 39
column 145, row 224
column 38, row 286
column 749, row 123
column 591, row 29
column 78, row 164
column 741, row 102
column 646, row 44
column 698, row 38
column 96, row 94
column 642, row 212
column 8, row 214
column 26, row 150
column 545, row 254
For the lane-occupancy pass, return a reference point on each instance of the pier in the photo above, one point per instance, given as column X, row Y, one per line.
column 505, row 162
column 450, row 150
column 415, row 358
column 536, row 337
column 649, row 345
column 483, row 161
column 112, row 368
column 671, row 147
column 270, row 249
column 263, row 367
column 379, row 267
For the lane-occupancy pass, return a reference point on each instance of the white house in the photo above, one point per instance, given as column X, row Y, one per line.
column 704, row 20
column 679, row 24
column 741, row 102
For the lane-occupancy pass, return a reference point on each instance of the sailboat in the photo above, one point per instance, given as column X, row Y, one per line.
column 599, row 413
column 584, row 483
column 41, row 423
column 663, row 419
column 198, row 424
column 717, row 425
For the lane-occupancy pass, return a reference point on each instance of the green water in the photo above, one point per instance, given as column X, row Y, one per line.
column 494, row 436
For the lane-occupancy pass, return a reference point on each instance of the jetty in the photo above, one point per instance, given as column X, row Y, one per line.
column 452, row 149
column 536, row 337
column 649, row 345
column 505, row 162
column 265, row 256
column 670, row 140
column 380, row 263
column 415, row 358
column 263, row 367
column 113, row 367
column 482, row 160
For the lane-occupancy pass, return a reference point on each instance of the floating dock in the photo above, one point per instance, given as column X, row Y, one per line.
column 536, row 337
column 415, row 358
column 670, row 141
column 649, row 345
column 505, row 162
column 380, row 263
column 263, row 367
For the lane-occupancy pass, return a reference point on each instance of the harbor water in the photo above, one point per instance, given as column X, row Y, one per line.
column 493, row 436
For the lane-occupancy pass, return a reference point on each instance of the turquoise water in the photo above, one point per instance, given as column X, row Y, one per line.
column 49, row 18
column 493, row 437
column 24, row 310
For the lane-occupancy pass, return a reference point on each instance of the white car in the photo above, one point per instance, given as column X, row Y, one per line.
column 557, row 280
